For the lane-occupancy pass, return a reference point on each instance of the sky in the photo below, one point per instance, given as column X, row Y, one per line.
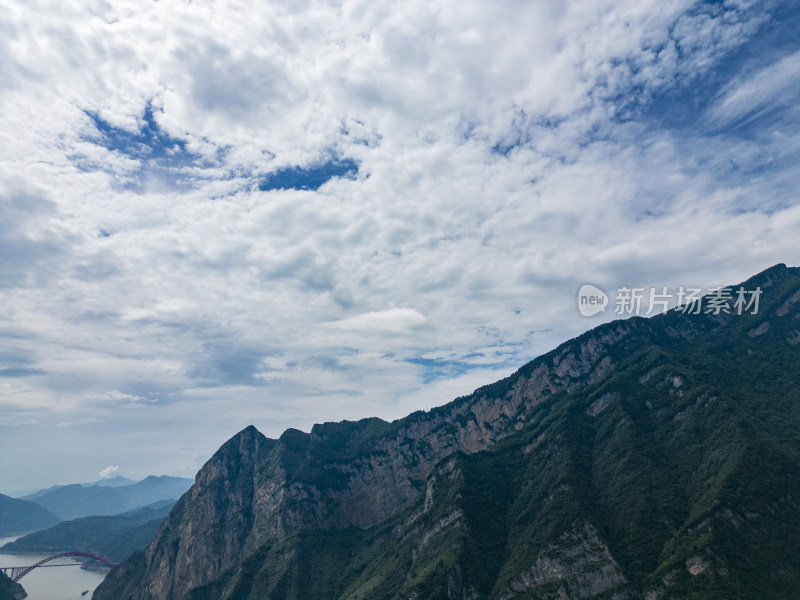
column 217, row 214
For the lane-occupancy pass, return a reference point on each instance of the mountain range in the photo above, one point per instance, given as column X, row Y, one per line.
column 112, row 537
column 645, row 459
column 108, row 497
column 109, row 482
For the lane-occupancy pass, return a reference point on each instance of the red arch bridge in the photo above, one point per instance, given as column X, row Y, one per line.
column 17, row 573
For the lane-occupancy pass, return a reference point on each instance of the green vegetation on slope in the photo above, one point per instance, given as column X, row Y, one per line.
column 113, row 537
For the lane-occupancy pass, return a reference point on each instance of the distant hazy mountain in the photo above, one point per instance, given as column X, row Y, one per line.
column 76, row 500
column 38, row 493
column 110, row 482
column 117, row 481
column 21, row 516
column 113, row 537
column 651, row 459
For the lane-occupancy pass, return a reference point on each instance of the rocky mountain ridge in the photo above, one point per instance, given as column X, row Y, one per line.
column 547, row 484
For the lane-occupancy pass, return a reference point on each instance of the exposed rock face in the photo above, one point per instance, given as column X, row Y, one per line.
column 242, row 497
column 600, row 404
column 212, row 525
column 579, row 563
column 540, row 484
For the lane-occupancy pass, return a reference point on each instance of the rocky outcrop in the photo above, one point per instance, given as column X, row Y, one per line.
column 580, row 565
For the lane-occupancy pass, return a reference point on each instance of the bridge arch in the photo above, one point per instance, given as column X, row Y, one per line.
column 25, row 570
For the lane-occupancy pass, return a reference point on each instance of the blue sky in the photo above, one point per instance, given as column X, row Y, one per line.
column 216, row 214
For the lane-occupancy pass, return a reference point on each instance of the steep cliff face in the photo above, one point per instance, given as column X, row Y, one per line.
column 211, row 526
column 625, row 462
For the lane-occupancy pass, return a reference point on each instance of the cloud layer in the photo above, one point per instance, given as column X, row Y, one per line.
column 221, row 213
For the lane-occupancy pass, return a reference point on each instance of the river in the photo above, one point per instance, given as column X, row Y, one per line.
column 52, row 583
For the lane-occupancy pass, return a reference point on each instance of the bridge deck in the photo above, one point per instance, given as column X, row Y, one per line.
column 17, row 573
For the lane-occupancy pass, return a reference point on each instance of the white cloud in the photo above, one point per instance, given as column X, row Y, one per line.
column 507, row 152
column 109, row 472
column 750, row 96
column 396, row 320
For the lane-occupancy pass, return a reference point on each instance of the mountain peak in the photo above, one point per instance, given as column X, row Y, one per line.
column 243, row 441
column 242, row 448
column 250, row 430
column 771, row 275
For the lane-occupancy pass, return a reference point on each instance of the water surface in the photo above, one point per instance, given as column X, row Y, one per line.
column 52, row 583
